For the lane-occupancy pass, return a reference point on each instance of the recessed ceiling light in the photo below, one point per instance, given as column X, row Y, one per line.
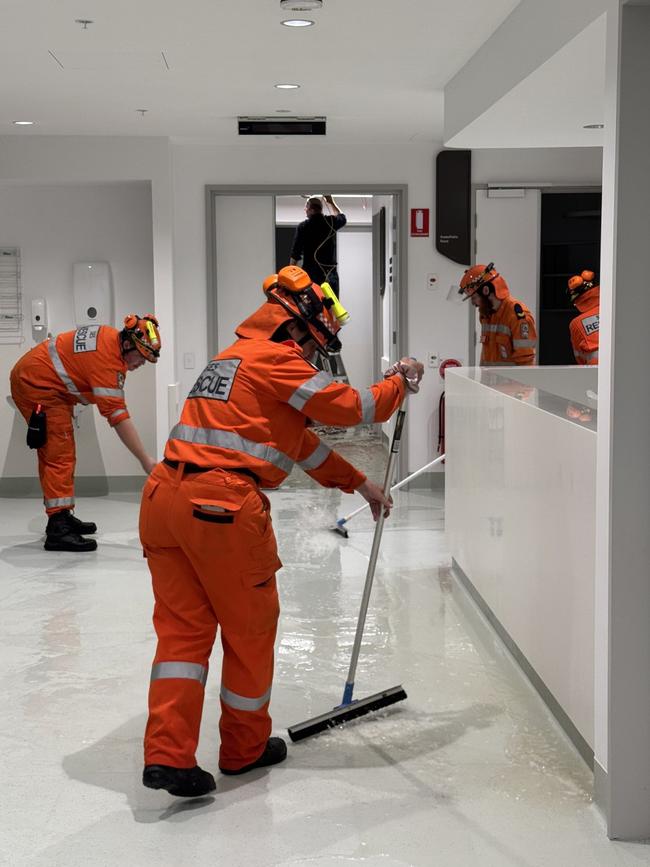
column 23, row 122
column 297, row 22
column 283, row 111
column 287, row 86
column 594, row 126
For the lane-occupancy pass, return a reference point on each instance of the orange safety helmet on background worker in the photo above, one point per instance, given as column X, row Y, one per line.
column 85, row 366
column 508, row 333
column 584, row 293
column 206, row 527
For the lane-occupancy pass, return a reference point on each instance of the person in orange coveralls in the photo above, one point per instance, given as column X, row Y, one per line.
column 508, row 334
column 85, row 366
column 584, row 293
column 206, row 527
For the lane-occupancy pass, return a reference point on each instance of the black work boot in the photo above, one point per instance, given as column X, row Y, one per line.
column 59, row 535
column 182, row 782
column 275, row 751
column 83, row 528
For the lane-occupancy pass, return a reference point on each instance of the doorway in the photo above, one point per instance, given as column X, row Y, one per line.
column 537, row 240
column 570, row 243
column 243, row 247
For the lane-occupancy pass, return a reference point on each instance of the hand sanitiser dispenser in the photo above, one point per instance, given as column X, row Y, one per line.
column 92, row 290
column 39, row 319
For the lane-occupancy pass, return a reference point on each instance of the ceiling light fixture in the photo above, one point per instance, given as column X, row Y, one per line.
column 287, row 86
column 594, row 126
column 84, row 22
column 283, row 111
column 297, row 22
column 301, row 5
column 23, row 122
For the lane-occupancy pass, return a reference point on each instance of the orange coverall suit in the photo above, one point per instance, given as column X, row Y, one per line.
column 585, row 328
column 209, row 540
column 508, row 336
column 82, row 366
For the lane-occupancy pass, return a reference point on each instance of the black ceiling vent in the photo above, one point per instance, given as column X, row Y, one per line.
column 282, row 125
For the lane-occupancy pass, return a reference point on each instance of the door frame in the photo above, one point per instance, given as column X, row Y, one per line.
column 400, row 193
column 544, row 187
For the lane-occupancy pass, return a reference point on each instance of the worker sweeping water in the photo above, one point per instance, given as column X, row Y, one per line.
column 85, row 366
column 206, row 527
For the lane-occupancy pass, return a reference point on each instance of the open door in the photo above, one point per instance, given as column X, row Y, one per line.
column 244, row 256
column 386, row 288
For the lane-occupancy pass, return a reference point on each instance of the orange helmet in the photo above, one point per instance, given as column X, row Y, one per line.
column 300, row 299
column 483, row 278
column 144, row 334
column 579, row 283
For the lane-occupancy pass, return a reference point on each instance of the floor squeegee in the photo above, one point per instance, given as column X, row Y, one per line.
column 350, row 709
column 340, row 527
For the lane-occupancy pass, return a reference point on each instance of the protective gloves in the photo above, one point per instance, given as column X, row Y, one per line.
column 410, row 369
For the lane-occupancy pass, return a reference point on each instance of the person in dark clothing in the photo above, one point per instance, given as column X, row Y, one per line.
column 315, row 241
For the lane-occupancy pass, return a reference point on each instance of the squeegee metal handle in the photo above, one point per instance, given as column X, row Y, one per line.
column 370, row 574
column 396, row 487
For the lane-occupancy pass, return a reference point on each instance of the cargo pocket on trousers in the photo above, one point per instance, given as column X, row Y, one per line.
column 264, row 605
column 215, row 511
column 145, row 508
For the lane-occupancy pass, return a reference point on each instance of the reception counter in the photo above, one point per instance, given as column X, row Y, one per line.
column 520, row 521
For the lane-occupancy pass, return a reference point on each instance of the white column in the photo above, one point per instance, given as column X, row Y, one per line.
column 623, row 497
column 163, row 275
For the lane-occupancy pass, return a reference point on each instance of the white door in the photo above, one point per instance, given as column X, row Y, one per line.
column 245, row 255
column 354, row 255
column 508, row 234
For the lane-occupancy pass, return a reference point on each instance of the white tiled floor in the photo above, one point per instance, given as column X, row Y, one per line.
column 471, row 770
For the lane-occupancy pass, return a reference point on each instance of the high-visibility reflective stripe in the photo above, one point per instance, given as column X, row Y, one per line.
column 182, row 670
column 59, row 501
column 240, row 702
column 117, row 412
column 308, row 389
column 521, row 344
column 62, row 373
column 109, row 392
column 496, row 329
column 316, row 458
column 225, row 439
column 587, row 356
column 367, row 406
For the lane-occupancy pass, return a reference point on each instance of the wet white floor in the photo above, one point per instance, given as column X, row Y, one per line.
column 471, row 770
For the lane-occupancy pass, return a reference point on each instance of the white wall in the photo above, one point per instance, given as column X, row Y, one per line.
column 556, row 166
column 520, row 522
column 80, row 159
column 55, row 226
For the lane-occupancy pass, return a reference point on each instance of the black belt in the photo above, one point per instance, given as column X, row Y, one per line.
column 195, row 468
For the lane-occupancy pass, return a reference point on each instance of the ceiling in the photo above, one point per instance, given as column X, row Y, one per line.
column 551, row 107
column 375, row 68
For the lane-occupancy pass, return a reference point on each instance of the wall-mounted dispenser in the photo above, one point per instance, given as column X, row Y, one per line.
column 92, row 291
column 39, row 319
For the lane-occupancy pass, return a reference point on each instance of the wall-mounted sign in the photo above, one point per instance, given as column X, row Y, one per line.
column 419, row 222
column 453, row 208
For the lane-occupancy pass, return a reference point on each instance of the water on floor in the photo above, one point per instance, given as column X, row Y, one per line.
column 470, row 770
